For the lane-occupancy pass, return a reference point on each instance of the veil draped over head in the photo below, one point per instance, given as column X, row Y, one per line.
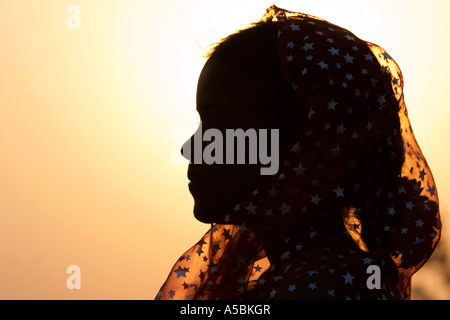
column 354, row 191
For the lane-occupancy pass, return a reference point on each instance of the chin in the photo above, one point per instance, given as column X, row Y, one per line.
column 207, row 212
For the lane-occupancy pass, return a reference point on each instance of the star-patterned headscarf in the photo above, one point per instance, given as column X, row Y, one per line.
column 354, row 191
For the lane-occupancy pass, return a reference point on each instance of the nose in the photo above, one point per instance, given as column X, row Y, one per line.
column 193, row 153
column 186, row 149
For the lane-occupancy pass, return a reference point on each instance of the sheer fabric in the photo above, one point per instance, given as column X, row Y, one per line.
column 355, row 189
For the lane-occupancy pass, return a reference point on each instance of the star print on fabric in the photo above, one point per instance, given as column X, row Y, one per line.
column 386, row 56
column 296, row 148
column 334, row 51
column 409, row 205
column 348, row 278
column 348, row 58
column 431, row 191
column 292, row 288
column 312, row 286
column 339, row 192
column 226, row 234
column 350, row 38
column 369, row 57
column 336, row 151
column 300, row 170
column 199, row 250
column 242, row 227
column 401, row 189
column 202, row 275
column 322, row 65
column 311, row 272
column 251, row 209
column 374, row 82
column 273, row 293
column 308, row 46
column 216, row 247
column 295, row 27
column 269, row 213
column 332, row 105
column 278, row 278
column 340, row 129
column 315, row 199
column 422, row 174
column 257, row 268
column 285, row 209
column 212, row 266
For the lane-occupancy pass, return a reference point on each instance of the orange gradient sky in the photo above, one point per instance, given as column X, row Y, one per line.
column 91, row 121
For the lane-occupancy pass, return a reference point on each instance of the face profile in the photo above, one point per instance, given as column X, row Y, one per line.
column 352, row 191
column 216, row 187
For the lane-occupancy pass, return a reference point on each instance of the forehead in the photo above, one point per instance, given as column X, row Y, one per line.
column 218, row 74
column 231, row 91
column 228, row 83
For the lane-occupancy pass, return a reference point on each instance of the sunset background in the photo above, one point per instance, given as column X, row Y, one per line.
column 92, row 120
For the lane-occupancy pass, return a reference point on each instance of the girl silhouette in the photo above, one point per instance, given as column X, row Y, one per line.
column 353, row 189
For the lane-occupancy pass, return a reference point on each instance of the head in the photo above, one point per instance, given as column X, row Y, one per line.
column 241, row 86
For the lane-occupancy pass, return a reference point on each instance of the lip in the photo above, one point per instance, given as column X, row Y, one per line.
column 195, row 186
column 194, row 177
column 195, row 183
